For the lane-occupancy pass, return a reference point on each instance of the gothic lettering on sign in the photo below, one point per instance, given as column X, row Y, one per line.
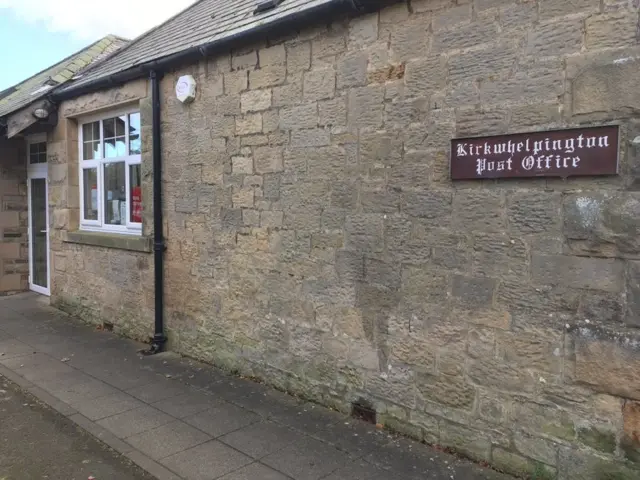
column 559, row 153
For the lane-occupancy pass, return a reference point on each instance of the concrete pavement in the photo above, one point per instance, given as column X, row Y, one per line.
column 179, row 419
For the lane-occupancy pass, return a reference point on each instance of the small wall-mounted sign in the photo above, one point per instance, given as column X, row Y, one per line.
column 557, row 153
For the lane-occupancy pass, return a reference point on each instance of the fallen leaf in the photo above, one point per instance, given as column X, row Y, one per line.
column 379, row 426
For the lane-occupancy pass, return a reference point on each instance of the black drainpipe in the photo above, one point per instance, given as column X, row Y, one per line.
column 159, row 337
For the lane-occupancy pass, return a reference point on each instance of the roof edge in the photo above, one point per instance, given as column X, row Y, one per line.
column 313, row 15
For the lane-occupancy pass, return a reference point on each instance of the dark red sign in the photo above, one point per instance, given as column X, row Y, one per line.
column 558, row 153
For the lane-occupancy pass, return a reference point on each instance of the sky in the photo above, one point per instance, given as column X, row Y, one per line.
column 35, row 34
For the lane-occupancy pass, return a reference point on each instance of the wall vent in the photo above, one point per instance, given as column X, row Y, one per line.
column 363, row 410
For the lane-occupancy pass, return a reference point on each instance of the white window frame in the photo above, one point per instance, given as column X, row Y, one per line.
column 129, row 228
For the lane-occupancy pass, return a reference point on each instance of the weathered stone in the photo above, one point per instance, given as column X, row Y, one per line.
column 332, row 112
column 380, row 201
column 409, row 39
column 244, row 60
column 607, row 88
column 465, row 440
column 611, row 30
column 423, row 284
column 319, row 84
column 298, row 57
column 364, row 233
column 607, row 364
column 630, row 442
column 518, row 465
column 275, row 55
column 380, row 148
column 481, row 122
column 289, row 94
column 447, row 390
column 243, row 198
column 268, row 160
column 352, row 70
column 251, row 218
column 241, row 165
column 473, row 292
column 315, row 137
column 550, row 39
column 363, row 30
column 579, row 463
column 426, row 75
column 486, row 63
column 333, row 43
column 235, row 82
column 541, row 82
column 558, row 8
column 303, row 116
column 465, row 36
column 577, row 272
column 267, row 76
column 480, row 212
column 533, row 213
column 255, row 100
column 435, row 206
column 271, row 219
column 404, row 112
column 365, row 107
column 248, row 124
column 518, row 15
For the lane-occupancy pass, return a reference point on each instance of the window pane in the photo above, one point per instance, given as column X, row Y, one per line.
column 114, row 193
column 115, row 147
column 109, row 128
column 134, row 145
column 90, row 194
column 134, row 134
column 91, row 132
column 120, row 124
column 91, row 150
column 38, row 152
column 136, row 193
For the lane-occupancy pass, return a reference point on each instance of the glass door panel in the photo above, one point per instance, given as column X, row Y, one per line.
column 39, row 235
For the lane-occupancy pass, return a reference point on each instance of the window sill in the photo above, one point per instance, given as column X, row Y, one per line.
column 110, row 240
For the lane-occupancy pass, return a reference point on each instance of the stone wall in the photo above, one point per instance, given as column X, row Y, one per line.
column 316, row 241
column 100, row 284
column 14, row 244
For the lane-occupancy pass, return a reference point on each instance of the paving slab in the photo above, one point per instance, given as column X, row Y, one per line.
column 255, row 471
column 208, row 461
column 133, row 422
column 261, row 439
column 168, row 440
column 187, row 404
column 107, row 406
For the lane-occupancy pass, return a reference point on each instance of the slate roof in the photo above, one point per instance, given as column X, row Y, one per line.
column 39, row 85
column 203, row 22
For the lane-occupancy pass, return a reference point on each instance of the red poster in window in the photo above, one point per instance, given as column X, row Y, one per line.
column 136, row 205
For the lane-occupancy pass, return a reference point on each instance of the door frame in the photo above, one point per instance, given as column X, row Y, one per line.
column 37, row 171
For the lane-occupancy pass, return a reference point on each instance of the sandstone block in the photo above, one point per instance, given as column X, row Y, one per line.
column 271, row 219
column 423, row 284
column 558, row 8
column 533, row 213
column 489, row 372
column 434, row 205
column 243, row 197
column 289, row 94
column 451, row 17
column 425, row 75
column 478, row 211
column 584, row 464
column 518, row 465
column 241, row 165
column 470, row 442
column 379, row 201
column 607, row 88
column 298, row 57
column 333, row 43
column 481, row 122
column 248, row 124
column 380, row 148
column 271, row 186
column 448, row 390
column 603, row 224
column 493, row 60
column 302, row 116
column 630, row 442
column 268, row 160
column 275, row 55
column 236, row 82
column 255, row 100
column 465, row 36
column 607, row 364
column 473, row 292
column 315, row 137
column 244, row 60
column 364, row 233
column 555, row 38
column 409, row 39
column 319, row 84
column 543, row 82
column 332, row 112
column 519, row 15
column 382, row 273
column 363, row 30
column 268, row 76
column 352, row 70
column 536, row 448
column 403, row 112
column 577, row 272
column 612, row 30
column 366, row 107
column 251, row 218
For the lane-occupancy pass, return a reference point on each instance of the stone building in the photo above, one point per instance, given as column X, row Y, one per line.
column 314, row 236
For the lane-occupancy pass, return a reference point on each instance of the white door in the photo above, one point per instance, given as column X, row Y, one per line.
column 38, row 197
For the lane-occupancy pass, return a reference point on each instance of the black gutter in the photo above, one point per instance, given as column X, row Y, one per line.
column 323, row 12
column 159, row 337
